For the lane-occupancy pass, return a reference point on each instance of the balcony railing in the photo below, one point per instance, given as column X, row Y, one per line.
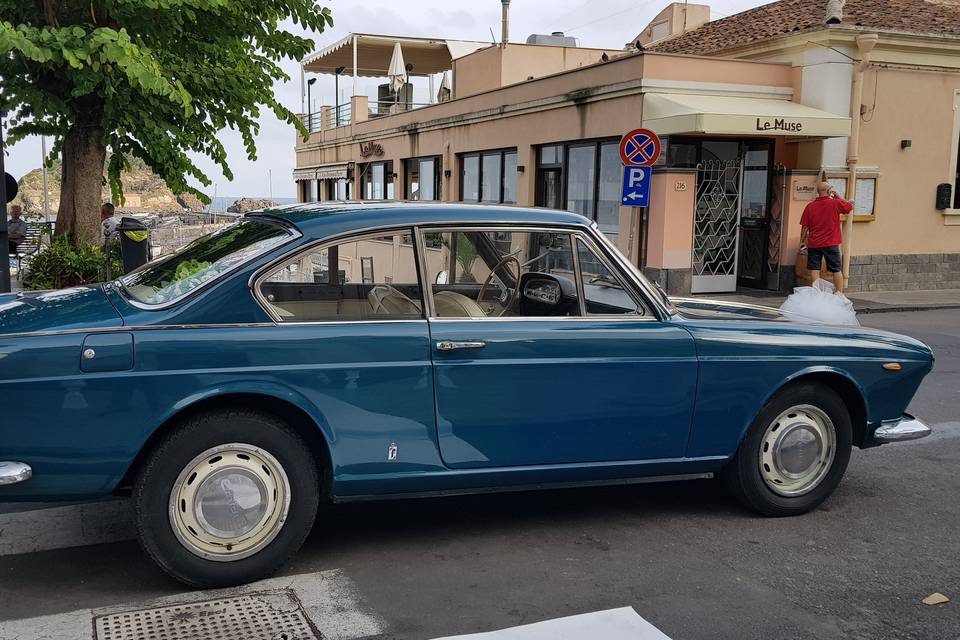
column 326, row 118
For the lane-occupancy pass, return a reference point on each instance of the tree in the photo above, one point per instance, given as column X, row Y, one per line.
column 151, row 79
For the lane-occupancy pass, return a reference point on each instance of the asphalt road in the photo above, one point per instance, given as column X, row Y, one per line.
column 685, row 556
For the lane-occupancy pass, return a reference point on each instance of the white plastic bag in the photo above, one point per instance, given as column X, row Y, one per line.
column 819, row 302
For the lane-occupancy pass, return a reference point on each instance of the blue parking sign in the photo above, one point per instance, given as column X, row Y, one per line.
column 636, row 186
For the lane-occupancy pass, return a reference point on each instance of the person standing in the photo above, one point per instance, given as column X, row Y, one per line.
column 16, row 229
column 108, row 223
column 820, row 233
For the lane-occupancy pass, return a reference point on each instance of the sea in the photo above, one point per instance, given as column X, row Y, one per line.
column 220, row 203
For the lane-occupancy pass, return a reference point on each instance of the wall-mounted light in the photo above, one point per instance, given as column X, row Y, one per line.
column 906, row 143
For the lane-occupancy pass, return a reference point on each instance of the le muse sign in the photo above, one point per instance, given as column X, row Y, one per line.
column 779, row 124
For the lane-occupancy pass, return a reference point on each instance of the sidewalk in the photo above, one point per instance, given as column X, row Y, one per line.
column 863, row 302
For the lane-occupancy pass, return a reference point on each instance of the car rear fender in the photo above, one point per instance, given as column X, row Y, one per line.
column 283, row 402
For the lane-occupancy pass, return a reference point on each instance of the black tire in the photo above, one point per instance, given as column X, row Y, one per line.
column 161, row 469
column 743, row 474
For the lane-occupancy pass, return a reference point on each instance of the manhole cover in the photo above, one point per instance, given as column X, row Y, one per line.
column 259, row 616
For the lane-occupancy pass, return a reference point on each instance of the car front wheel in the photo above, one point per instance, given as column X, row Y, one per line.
column 795, row 453
column 226, row 498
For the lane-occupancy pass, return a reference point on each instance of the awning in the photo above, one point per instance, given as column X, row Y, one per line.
column 666, row 113
column 427, row 55
column 322, row 172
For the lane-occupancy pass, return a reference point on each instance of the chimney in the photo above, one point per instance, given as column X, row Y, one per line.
column 505, row 34
column 834, row 12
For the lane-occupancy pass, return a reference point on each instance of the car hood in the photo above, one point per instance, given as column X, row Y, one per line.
column 703, row 309
column 697, row 309
column 75, row 308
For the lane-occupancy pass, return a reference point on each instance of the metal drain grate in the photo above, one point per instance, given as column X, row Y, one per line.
column 259, row 616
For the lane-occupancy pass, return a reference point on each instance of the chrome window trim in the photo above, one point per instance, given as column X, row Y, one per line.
column 574, row 231
column 426, row 287
column 294, row 235
column 318, row 245
column 625, row 284
column 651, row 296
column 134, row 328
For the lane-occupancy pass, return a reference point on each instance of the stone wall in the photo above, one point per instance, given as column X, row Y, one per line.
column 905, row 272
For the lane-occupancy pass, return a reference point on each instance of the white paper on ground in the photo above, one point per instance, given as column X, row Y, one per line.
column 613, row 624
column 820, row 303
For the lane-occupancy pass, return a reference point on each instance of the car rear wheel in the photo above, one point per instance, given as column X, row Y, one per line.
column 226, row 498
column 795, row 453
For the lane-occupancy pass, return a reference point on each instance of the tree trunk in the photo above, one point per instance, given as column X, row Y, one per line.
column 84, row 154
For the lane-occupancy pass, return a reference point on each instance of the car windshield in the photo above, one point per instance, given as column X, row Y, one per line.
column 202, row 260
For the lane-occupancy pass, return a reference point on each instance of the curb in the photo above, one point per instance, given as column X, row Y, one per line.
column 904, row 308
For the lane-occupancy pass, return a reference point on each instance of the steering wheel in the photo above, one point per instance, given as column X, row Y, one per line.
column 486, row 283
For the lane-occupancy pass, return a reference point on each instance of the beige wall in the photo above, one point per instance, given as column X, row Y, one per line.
column 500, row 66
column 670, row 220
column 918, row 106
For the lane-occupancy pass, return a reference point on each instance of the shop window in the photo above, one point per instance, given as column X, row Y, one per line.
column 490, row 176
column 584, row 178
column 313, row 193
column 422, row 178
column 378, row 181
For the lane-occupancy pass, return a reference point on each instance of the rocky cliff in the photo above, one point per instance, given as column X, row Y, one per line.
column 143, row 190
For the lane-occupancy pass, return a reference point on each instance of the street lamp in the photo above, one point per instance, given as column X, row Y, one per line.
column 310, row 105
column 336, row 93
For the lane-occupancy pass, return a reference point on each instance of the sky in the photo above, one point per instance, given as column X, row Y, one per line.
column 596, row 23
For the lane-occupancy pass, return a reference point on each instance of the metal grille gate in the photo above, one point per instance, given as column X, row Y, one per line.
column 716, row 226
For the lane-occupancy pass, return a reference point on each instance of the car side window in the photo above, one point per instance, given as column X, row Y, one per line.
column 370, row 278
column 489, row 274
column 604, row 291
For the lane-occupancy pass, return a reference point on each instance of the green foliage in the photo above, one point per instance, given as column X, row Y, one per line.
column 63, row 265
column 166, row 75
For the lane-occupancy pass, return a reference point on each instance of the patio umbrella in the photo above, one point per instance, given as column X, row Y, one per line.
column 445, row 91
column 398, row 70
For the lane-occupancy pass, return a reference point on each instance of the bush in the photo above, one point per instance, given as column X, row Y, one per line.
column 62, row 265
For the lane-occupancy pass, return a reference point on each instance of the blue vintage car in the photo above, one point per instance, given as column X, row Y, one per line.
column 358, row 351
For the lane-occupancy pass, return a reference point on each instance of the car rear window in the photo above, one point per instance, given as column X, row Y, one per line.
column 203, row 260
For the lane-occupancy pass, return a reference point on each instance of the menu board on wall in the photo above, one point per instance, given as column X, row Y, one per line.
column 866, row 192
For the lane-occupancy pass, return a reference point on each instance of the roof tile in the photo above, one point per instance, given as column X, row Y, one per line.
column 792, row 16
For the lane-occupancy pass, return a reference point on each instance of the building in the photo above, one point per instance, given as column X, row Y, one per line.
column 752, row 110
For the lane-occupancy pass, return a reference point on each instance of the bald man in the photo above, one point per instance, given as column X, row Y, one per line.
column 820, row 233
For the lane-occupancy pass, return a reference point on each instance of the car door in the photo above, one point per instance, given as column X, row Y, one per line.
column 600, row 378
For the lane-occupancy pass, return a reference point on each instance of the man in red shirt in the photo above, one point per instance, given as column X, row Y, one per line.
column 820, row 232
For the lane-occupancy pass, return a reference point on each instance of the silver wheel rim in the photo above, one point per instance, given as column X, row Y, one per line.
column 229, row 502
column 797, row 450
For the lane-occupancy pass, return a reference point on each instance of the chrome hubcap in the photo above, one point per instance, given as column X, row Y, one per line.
column 797, row 450
column 229, row 502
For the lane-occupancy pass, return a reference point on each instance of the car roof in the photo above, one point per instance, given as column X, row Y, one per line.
column 317, row 220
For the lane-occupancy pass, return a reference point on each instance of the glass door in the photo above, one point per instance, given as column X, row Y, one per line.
column 550, row 188
column 754, row 213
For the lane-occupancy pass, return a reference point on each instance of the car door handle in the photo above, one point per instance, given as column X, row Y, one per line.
column 445, row 345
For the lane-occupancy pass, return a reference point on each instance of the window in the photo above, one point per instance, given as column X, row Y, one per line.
column 370, row 278
column 583, row 177
column 203, row 260
column 490, row 176
column 423, row 179
column 342, row 189
column 604, row 293
column 483, row 274
column 378, row 181
column 314, row 191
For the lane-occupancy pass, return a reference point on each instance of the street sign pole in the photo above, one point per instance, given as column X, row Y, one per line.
column 4, row 237
column 639, row 151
